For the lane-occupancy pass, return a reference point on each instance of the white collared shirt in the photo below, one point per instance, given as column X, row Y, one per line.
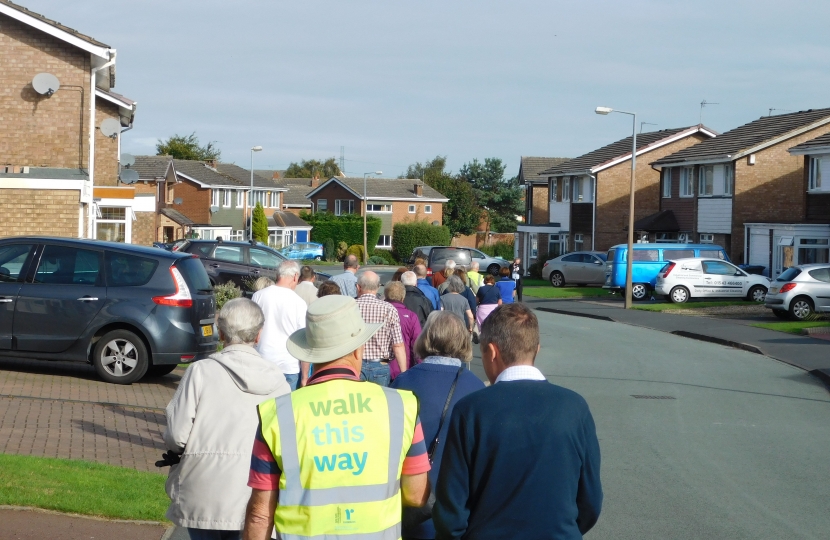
column 520, row 373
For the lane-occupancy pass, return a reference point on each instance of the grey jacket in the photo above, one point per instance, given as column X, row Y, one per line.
column 213, row 417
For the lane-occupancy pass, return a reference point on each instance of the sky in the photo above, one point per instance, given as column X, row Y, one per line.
column 394, row 83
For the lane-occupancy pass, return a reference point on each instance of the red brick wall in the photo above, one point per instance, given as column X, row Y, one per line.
column 400, row 212
column 335, row 191
column 195, row 202
column 541, row 205
column 39, row 212
column 106, row 149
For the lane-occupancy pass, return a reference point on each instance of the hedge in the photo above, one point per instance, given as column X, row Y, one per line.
column 407, row 236
column 499, row 249
column 347, row 228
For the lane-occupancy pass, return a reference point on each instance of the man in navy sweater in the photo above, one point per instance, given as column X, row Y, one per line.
column 521, row 458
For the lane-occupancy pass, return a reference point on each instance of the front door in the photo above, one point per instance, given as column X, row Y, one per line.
column 66, row 294
column 13, row 264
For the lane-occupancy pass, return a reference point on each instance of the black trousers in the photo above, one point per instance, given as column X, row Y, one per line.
column 518, row 283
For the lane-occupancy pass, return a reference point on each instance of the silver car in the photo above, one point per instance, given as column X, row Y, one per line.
column 486, row 263
column 800, row 291
column 577, row 268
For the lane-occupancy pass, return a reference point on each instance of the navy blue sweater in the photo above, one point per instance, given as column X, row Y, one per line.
column 431, row 384
column 521, row 460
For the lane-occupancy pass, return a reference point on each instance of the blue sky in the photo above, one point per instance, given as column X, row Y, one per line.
column 397, row 82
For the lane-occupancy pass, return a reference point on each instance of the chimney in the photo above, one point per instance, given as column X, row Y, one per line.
column 315, row 181
column 211, row 163
column 419, row 189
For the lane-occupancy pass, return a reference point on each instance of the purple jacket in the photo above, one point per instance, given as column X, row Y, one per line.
column 411, row 329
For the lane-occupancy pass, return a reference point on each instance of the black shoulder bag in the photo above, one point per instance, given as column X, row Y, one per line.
column 413, row 516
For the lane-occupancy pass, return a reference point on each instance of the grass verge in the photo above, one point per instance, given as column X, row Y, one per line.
column 564, row 292
column 82, row 487
column 792, row 327
column 690, row 305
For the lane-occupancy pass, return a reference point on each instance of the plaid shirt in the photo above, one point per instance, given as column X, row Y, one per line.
column 374, row 310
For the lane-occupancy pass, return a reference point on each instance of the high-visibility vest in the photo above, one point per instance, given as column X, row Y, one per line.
column 340, row 446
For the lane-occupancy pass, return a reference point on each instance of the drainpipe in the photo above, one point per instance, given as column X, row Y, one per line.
column 92, row 86
column 594, row 213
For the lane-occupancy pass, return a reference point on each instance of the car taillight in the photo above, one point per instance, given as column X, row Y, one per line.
column 669, row 268
column 181, row 298
column 787, row 287
column 545, row 265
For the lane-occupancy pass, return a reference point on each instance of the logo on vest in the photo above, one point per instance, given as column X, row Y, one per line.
column 344, row 516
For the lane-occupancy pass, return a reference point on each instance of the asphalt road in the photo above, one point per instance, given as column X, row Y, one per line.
column 738, row 451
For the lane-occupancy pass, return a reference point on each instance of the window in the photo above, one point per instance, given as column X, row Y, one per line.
column 667, row 183
column 719, row 268
column 384, row 241
column 572, row 258
column 124, row 270
column 715, row 180
column 577, row 242
column 411, row 209
column 226, row 198
column 566, row 190
column 707, row 239
column 817, row 167
column 112, row 225
column 667, row 238
column 821, row 274
column 711, row 254
column 12, row 259
column 228, row 253
column 813, row 250
column 552, row 189
column 379, row 208
column 577, row 189
column 534, row 245
column 322, row 205
column 263, row 258
column 343, row 206
column 728, row 179
column 686, row 186
column 427, row 209
column 678, row 254
column 275, row 199
column 240, row 199
column 237, row 236
column 705, row 181
column 645, row 255
column 214, row 197
column 63, row 265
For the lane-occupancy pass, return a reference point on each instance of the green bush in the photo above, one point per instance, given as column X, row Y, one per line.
column 499, row 249
column 260, row 224
column 386, row 255
column 341, row 250
column 535, row 269
column 328, row 250
column 374, row 259
column 357, row 251
column 225, row 292
column 407, row 236
column 347, row 228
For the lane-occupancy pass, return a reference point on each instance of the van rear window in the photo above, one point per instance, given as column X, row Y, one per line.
column 711, row 254
column 678, row 254
column 646, row 255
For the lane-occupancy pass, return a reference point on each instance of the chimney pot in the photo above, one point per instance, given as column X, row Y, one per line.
column 419, row 189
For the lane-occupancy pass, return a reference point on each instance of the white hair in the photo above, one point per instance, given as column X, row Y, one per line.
column 287, row 269
column 368, row 281
column 450, row 264
column 240, row 320
column 409, row 278
column 474, row 266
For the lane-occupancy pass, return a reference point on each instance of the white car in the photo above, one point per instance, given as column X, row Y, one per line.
column 682, row 279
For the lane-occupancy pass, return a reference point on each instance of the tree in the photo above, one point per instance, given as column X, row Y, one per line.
column 187, row 147
column 308, row 168
column 500, row 197
column 461, row 213
column 260, row 224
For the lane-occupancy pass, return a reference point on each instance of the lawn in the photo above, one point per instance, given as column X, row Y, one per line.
column 793, row 327
column 82, row 487
column 565, row 292
column 690, row 305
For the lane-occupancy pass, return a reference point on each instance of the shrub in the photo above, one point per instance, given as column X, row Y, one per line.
column 328, row 250
column 260, row 224
column 225, row 292
column 347, row 228
column 342, row 247
column 386, row 255
column 499, row 249
column 535, row 269
column 374, row 259
column 356, row 250
column 407, row 236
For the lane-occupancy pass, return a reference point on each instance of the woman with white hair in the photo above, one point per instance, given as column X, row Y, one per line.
column 210, row 424
column 454, row 302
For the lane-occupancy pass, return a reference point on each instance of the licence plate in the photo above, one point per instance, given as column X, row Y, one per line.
column 207, row 330
column 773, row 290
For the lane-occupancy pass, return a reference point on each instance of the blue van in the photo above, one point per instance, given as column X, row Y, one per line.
column 648, row 260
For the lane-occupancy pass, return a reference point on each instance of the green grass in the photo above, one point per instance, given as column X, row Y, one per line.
column 565, row 292
column 82, row 487
column 690, row 305
column 528, row 282
column 793, row 327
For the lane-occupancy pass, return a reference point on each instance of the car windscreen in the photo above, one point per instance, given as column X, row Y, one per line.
column 611, row 253
column 789, row 274
column 194, row 273
column 602, row 256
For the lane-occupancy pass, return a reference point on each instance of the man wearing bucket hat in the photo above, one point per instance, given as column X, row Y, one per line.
column 340, row 455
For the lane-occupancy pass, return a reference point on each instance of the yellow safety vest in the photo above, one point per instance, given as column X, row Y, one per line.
column 340, row 446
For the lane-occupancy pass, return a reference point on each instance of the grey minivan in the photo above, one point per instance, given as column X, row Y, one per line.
column 128, row 310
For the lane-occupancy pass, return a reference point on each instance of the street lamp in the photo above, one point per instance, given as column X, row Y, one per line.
column 630, row 254
column 251, row 193
column 365, row 210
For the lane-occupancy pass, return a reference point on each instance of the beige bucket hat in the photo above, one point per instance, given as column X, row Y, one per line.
column 334, row 328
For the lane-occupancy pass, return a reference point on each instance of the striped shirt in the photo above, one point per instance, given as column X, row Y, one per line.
column 376, row 311
column 265, row 473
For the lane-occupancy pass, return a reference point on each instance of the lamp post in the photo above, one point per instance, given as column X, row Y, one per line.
column 630, row 254
column 365, row 210
column 251, row 194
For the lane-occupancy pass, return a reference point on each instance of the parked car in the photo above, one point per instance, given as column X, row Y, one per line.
column 237, row 262
column 648, row 261
column 486, row 263
column 128, row 310
column 800, row 291
column 682, row 279
column 438, row 257
column 303, row 251
column 577, row 268
column 164, row 245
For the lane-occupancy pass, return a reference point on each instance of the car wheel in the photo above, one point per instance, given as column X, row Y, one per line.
column 801, row 308
column 494, row 269
column 639, row 291
column 557, row 279
column 679, row 295
column 120, row 357
column 161, row 371
column 757, row 293
column 781, row 314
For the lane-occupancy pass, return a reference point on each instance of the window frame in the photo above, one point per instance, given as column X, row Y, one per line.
column 381, row 244
column 383, row 208
column 566, row 190
column 226, row 198
column 687, row 181
column 427, row 209
column 338, row 207
column 553, row 186
column 666, row 183
column 815, row 183
column 706, row 238
column 215, row 197
column 412, row 209
column 702, row 181
column 325, row 207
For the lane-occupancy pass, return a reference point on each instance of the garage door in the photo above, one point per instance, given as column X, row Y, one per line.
column 759, row 247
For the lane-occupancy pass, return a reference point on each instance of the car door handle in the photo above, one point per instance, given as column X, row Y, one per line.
column 254, row 271
column 6, row 300
column 87, row 299
column 214, row 266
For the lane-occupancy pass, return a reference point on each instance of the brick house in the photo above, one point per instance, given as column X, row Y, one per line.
column 393, row 200
column 537, row 207
column 746, row 175
column 55, row 158
column 588, row 196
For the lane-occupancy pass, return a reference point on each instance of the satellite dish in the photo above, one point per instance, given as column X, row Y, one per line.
column 127, row 160
column 129, row 176
column 111, row 127
column 214, row 209
column 45, row 84
column 177, row 200
column 435, row 223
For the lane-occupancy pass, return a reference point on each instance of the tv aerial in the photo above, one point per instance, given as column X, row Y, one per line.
column 128, row 176
column 110, row 128
column 45, row 84
column 127, row 160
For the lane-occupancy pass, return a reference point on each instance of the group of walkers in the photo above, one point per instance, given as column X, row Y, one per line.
column 282, row 433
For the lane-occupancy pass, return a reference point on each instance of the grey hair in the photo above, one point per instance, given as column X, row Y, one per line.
column 455, row 285
column 240, row 320
column 394, row 291
column 474, row 266
column 262, row 282
column 409, row 278
column 450, row 264
column 288, row 269
column 368, row 281
column 350, row 262
column 444, row 334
